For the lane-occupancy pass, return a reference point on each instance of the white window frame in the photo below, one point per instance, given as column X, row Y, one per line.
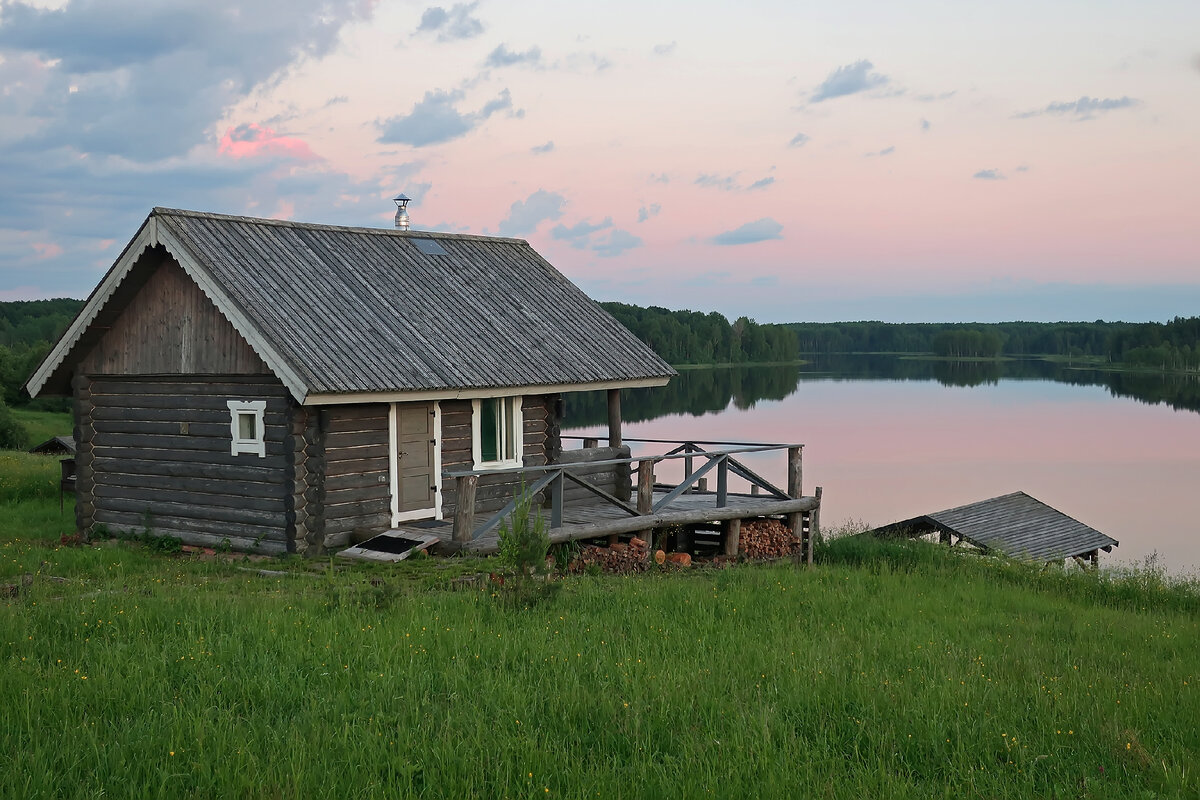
column 238, row 445
column 512, row 431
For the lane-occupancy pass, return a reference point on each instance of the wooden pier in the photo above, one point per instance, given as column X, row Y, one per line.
column 588, row 495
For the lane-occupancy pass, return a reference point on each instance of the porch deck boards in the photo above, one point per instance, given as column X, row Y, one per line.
column 579, row 517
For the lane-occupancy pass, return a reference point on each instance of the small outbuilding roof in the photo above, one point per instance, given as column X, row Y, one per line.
column 57, row 445
column 345, row 314
column 1014, row 524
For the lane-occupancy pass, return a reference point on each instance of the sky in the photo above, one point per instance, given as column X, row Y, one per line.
column 786, row 161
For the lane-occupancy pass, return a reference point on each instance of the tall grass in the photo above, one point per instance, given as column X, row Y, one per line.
column 915, row 674
column 25, row 476
column 42, row 425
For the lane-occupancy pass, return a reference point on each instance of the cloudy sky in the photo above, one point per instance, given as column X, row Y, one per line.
column 785, row 160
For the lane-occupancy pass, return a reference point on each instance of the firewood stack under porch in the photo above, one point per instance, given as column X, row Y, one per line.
column 608, row 492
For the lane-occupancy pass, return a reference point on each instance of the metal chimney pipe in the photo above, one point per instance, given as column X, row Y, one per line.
column 401, row 201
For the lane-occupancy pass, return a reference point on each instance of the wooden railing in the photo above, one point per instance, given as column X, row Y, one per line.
column 553, row 477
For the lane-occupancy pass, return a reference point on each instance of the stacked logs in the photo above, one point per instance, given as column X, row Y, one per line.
column 619, row 557
column 765, row 539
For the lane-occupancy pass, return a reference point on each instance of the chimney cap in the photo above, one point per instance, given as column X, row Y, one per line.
column 401, row 200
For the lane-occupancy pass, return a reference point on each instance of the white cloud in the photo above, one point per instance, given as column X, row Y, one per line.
column 453, row 24
column 435, row 118
column 850, row 79
column 524, row 216
column 760, row 230
column 1083, row 108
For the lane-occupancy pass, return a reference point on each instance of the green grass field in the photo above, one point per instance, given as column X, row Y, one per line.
column 41, row 425
column 886, row 671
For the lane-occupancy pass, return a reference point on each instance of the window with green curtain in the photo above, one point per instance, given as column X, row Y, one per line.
column 490, row 427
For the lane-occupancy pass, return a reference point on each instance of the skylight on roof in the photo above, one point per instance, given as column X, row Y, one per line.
column 429, row 247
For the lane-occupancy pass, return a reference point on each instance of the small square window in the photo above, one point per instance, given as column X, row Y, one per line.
column 246, row 427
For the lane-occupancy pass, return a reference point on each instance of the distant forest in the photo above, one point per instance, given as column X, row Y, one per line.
column 1173, row 346
column 692, row 337
column 28, row 328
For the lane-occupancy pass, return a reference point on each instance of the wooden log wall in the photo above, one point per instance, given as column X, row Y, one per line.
column 357, row 499
column 494, row 491
column 306, row 443
column 84, row 432
column 157, row 453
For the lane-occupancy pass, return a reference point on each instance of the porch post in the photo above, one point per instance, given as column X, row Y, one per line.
column 614, row 417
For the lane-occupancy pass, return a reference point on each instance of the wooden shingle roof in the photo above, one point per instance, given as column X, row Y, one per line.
column 340, row 313
column 1014, row 524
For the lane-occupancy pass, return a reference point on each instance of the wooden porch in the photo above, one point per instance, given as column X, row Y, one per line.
column 575, row 506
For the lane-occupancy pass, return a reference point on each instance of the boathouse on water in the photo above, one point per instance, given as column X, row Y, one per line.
column 289, row 387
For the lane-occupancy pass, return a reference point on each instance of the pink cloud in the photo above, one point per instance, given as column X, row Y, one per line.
column 250, row 140
column 46, row 250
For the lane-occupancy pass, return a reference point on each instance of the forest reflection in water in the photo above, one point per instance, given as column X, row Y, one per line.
column 708, row 390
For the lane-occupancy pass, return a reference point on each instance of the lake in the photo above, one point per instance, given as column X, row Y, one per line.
column 890, row 438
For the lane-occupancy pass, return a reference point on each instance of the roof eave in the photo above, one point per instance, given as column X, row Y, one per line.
column 426, row 395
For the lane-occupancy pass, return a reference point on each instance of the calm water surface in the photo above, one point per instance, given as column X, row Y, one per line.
column 912, row 442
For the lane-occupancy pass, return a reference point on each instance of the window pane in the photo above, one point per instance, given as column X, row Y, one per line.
column 489, row 429
column 507, row 421
column 247, row 429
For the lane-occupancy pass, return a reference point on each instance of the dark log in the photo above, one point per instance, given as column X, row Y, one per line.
column 273, row 441
column 337, row 441
column 226, row 387
column 732, row 530
column 162, row 522
column 815, row 528
column 273, row 462
column 185, row 469
column 376, row 451
column 226, row 487
column 337, row 496
column 151, row 497
column 795, row 472
column 214, row 515
column 177, row 415
column 464, row 513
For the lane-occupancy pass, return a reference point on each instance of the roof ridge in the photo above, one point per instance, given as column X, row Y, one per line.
column 162, row 211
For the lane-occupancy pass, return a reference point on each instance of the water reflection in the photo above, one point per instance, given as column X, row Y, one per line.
column 704, row 391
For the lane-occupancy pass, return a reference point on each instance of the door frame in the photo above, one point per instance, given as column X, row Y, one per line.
column 394, row 465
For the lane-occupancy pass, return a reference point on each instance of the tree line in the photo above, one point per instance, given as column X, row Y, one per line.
column 28, row 329
column 693, row 337
column 955, row 338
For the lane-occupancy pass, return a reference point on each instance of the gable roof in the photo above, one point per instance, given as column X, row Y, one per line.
column 1014, row 524
column 345, row 314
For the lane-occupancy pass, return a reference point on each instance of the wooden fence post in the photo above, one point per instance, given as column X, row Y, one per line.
column 814, row 529
column 556, row 500
column 794, row 488
column 645, row 498
column 464, row 509
column 733, row 533
column 722, row 481
column 795, row 472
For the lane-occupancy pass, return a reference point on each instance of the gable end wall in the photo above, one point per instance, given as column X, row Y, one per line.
column 169, row 327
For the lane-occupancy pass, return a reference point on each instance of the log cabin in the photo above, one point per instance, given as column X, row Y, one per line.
column 283, row 387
